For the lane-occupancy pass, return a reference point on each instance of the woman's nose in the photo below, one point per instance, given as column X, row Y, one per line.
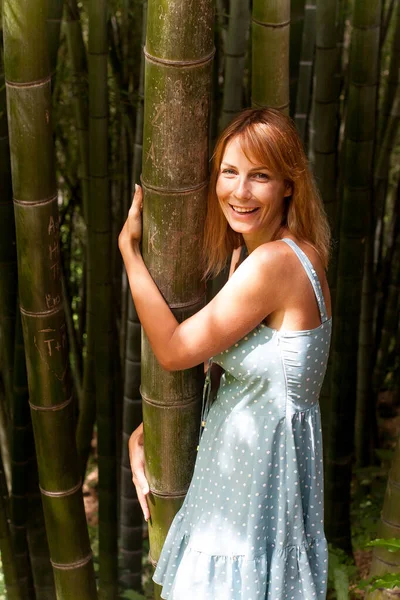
column 242, row 190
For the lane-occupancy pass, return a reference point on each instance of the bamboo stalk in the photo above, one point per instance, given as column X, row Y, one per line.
column 37, row 228
column 77, row 52
column 131, row 519
column 235, row 54
column 297, row 8
column 11, row 579
column 326, row 106
column 392, row 83
column 8, row 257
column 22, row 460
column 54, row 18
column 390, row 315
column 270, row 78
column 12, row 360
column 179, row 52
column 303, row 97
column 355, row 215
column 100, row 273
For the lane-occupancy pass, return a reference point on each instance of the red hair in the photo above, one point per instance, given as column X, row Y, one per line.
column 267, row 137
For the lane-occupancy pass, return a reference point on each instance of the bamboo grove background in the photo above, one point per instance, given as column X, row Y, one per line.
column 95, row 96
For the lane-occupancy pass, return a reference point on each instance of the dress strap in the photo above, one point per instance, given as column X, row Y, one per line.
column 312, row 275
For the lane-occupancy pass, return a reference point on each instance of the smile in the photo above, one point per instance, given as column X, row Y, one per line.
column 241, row 211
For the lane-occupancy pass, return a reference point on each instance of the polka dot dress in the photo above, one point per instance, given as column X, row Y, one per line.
column 251, row 525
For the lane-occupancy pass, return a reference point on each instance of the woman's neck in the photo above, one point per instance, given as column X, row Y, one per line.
column 252, row 242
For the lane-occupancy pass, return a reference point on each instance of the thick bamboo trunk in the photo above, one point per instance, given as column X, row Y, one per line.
column 37, row 228
column 355, row 214
column 270, row 54
column 179, row 51
column 21, row 450
column 235, row 54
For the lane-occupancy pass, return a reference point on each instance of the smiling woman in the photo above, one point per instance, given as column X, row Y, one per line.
column 251, row 197
column 251, row 525
column 270, row 151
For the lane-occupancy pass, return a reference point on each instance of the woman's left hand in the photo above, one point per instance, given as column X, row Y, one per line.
column 131, row 233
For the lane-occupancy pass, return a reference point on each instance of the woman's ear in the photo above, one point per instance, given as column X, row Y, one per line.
column 288, row 189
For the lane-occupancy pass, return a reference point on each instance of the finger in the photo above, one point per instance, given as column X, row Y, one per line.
column 143, row 502
column 138, row 194
column 139, row 478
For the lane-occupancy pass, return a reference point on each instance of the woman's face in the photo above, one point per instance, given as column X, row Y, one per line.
column 250, row 195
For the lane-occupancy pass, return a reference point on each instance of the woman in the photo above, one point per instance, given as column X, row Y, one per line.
column 251, row 526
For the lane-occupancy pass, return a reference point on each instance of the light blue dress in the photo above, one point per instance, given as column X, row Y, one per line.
column 251, row 525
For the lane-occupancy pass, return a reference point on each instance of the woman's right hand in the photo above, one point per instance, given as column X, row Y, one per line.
column 136, row 458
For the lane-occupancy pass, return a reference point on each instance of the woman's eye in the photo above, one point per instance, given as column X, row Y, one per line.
column 228, row 171
column 261, row 176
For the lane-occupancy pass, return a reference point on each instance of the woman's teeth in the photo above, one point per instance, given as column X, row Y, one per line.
column 243, row 210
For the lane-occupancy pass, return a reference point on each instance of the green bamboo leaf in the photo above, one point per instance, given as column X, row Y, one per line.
column 387, row 581
column 393, row 544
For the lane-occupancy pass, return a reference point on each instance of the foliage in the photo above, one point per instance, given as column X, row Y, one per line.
column 367, row 499
column 388, row 580
column 340, row 571
column 392, row 545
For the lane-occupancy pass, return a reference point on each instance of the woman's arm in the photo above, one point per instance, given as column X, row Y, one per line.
column 253, row 291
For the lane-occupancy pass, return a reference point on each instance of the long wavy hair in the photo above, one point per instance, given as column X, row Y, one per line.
column 268, row 138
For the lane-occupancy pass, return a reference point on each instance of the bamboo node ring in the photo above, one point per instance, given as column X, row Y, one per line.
column 51, row 408
column 41, row 202
column 74, row 565
column 63, row 493
column 180, row 63
column 272, row 25
column 28, row 84
column 45, row 313
column 171, row 192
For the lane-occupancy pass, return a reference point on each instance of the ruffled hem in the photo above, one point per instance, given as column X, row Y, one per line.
column 288, row 573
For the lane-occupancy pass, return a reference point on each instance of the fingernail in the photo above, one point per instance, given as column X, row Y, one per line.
column 145, row 490
column 135, row 187
column 146, row 519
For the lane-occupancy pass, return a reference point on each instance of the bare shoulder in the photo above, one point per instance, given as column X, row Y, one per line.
column 271, row 264
column 274, row 257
